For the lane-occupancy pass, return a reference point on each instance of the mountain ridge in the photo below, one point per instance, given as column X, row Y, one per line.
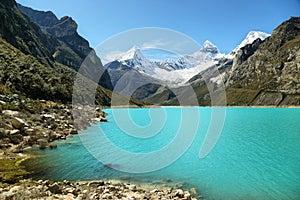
column 69, row 47
column 177, row 70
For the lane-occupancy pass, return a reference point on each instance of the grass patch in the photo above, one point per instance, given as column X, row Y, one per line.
column 240, row 96
column 10, row 169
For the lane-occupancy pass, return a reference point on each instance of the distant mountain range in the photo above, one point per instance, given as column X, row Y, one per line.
column 171, row 70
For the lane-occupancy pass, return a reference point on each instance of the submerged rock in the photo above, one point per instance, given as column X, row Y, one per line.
column 52, row 146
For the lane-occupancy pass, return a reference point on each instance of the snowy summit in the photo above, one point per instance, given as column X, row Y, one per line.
column 251, row 37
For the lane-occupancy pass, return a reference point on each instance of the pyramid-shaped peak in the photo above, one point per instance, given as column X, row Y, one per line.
column 209, row 47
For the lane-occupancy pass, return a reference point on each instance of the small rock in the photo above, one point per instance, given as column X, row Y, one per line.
column 153, row 191
column 105, row 191
column 16, row 189
column 73, row 132
column 106, row 196
column 67, row 182
column 188, row 196
column 14, row 132
column 94, row 196
column 46, row 182
column 43, row 143
column 103, row 119
column 7, row 195
column 68, row 197
column 69, row 190
column 2, row 103
column 179, row 193
column 132, row 187
column 48, row 116
column 95, row 183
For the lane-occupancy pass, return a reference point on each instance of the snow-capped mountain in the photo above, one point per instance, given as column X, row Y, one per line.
column 179, row 70
column 208, row 48
column 171, row 70
column 250, row 38
column 171, row 64
column 135, row 59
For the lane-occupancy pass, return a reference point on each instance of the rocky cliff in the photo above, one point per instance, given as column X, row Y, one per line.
column 73, row 48
column 264, row 73
column 25, row 35
column 45, row 37
column 271, row 67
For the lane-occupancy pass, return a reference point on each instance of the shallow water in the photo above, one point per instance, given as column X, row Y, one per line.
column 256, row 156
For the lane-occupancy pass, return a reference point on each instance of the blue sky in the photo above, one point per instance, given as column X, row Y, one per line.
column 224, row 23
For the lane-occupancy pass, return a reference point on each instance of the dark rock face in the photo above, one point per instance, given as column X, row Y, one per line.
column 66, row 26
column 43, row 19
column 71, row 48
column 25, row 35
column 45, row 37
column 274, row 66
column 269, row 99
column 245, row 52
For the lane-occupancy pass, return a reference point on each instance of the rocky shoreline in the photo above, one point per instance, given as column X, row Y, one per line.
column 45, row 189
column 27, row 123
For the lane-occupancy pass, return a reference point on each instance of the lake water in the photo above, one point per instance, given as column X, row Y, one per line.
column 256, row 157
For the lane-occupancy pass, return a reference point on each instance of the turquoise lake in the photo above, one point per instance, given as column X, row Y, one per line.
column 256, row 157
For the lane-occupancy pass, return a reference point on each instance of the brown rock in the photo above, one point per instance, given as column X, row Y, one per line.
column 52, row 146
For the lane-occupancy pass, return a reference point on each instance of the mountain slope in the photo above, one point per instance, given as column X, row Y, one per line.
column 273, row 69
column 62, row 44
column 25, row 35
column 65, row 30
column 24, row 72
column 263, row 73
column 72, row 48
column 267, row 72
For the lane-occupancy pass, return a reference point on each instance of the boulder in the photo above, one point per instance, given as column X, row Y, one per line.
column 43, row 143
column 6, row 195
column 3, row 133
column 17, row 123
column 54, row 188
column 52, row 146
column 16, row 189
column 179, row 193
column 103, row 119
column 73, row 132
column 2, row 103
column 7, row 126
column 15, row 138
column 11, row 113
